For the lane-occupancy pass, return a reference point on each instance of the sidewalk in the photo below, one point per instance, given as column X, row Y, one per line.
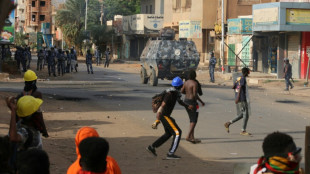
column 266, row 81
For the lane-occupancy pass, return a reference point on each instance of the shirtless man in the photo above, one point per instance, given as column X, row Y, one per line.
column 190, row 89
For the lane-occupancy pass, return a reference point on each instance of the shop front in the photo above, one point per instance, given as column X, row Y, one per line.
column 278, row 34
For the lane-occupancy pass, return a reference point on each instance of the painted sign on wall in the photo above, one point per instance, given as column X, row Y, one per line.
column 184, row 29
column 298, row 16
column 266, row 16
column 190, row 29
column 142, row 23
column 231, row 55
column 7, row 34
column 39, row 40
column 246, row 53
column 240, row 26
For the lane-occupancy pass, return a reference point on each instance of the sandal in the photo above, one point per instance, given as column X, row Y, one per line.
column 191, row 140
column 197, row 141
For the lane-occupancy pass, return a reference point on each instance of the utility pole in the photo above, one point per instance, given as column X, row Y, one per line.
column 86, row 15
column 222, row 44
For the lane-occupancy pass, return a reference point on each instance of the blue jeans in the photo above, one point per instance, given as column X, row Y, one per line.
column 89, row 66
column 211, row 71
column 242, row 112
column 288, row 82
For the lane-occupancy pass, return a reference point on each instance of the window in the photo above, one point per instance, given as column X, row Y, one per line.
column 188, row 3
column 151, row 10
column 33, row 18
column 42, row 3
column 33, row 3
column 146, row 10
column 178, row 4
column 42, row 17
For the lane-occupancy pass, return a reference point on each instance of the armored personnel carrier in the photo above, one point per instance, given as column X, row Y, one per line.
column 165, row 58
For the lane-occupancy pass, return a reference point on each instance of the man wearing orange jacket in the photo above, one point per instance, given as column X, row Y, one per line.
column 85, row 132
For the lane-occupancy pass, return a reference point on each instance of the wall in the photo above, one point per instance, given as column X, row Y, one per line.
column 145, row 6
column 173, row 16
column 304, row 57
column 209, row 13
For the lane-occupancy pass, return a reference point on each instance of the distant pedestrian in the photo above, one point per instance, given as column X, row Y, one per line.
column 164, row 115
column 68, row 61
column 242, row 101
column 73, row 58
column 107, row 58
column 287, row 74
column 89, row 62
column 51, row 62
column 29, row 58
column 45, row 57
column 61, row 62
column 19, row 57
column 97, row 56
column 212, row 63
column 40, row 60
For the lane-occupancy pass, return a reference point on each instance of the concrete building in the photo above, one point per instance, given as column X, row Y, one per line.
column 152, row 6
column 134, row 31
column 185, row 16
column 282, row 31
column 37, row 12
column 20, row 16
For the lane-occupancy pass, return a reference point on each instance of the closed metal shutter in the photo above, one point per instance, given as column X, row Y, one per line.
column 293, row 53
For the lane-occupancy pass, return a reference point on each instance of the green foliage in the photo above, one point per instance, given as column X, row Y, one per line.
column 71, row 19
column 120, row 7
column 20, row 39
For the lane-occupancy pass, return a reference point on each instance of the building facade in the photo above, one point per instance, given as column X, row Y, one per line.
column 37, row 12
column 199, row 14
column 281, row 30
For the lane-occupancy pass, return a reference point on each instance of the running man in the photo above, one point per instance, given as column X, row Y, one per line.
column 164, row 115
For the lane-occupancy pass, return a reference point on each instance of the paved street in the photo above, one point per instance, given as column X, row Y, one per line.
column 111, row 92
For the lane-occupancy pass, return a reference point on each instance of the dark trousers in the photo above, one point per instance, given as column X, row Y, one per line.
column 211, row 71
column 39, row 64
column 288, row 83
column 61, row 67
column 51, row 69
column 18, row 63
column 106, row 64
column 24, row 65
column 89, row 66
column 171, row 129
column 98, row 61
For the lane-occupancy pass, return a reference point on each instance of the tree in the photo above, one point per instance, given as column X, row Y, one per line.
column 71, row 19
column 20, row 39
column 120, row 7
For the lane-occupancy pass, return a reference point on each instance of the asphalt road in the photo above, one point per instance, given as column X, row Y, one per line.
column 117, row 91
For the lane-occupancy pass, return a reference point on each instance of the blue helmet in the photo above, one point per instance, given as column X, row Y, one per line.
column 177, row 81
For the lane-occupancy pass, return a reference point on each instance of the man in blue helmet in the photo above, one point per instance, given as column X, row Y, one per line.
column 163, row 114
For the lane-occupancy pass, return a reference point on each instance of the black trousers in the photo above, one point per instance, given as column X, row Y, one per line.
column 171, row 129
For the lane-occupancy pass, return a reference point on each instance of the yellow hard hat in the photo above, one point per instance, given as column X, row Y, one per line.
column 30, row 75
column 27, row 105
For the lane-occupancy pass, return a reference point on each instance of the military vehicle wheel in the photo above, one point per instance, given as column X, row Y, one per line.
column 153, row 78
column 143, row 76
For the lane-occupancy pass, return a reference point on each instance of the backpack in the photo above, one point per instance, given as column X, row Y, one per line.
column 157, row 100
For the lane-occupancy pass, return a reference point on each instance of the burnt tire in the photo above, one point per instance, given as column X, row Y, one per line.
column 143, row 76
column 153, row 78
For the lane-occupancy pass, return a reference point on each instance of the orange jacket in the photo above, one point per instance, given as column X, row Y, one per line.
column 85, row 132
